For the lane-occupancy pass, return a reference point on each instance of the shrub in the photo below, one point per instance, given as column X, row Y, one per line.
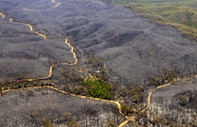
column 46, row 122
column 127, row 110
column 70, row 122
column 111, row 124
column 98, row 89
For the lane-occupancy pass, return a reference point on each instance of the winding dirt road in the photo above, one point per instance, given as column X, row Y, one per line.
column 56, row 3
column 128, row 118
column 132, row 118
column 31, row 28
column 2, row 15
column 51, row 69
column 53, row 65
column 162, row 86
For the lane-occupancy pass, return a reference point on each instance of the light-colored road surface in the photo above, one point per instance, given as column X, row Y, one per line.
column 132, row 118
column 53, row 65
column 128, row 118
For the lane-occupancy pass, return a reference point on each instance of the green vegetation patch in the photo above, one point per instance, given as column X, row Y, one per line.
column 180, row 13
column 98, row 89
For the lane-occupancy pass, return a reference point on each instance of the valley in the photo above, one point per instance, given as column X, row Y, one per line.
column 92, row 63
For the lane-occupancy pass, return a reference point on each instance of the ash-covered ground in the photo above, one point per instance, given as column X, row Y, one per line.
column 133, row 48
column 177, row 102
column 31, row 108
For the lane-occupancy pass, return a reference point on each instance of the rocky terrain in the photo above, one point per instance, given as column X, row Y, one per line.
column 110, row 42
